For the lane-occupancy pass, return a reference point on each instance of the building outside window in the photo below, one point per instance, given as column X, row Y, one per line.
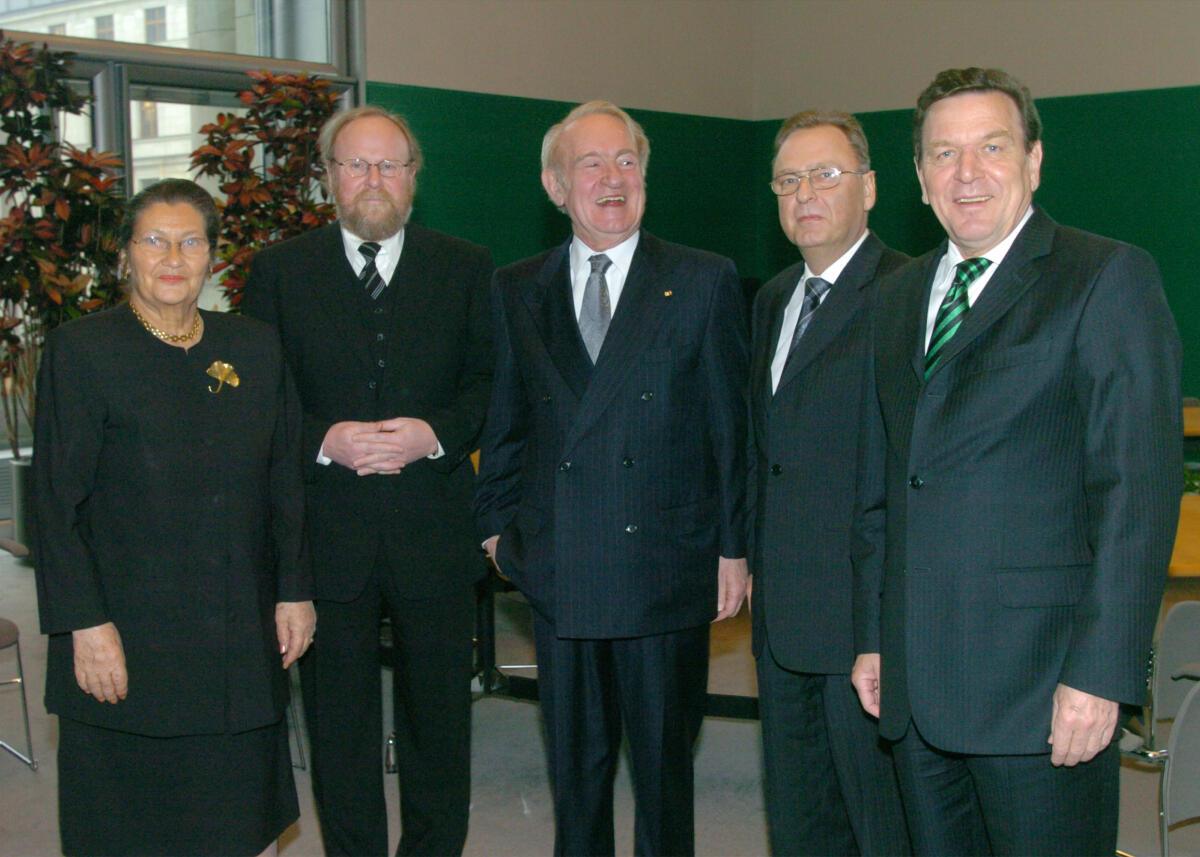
column 57, row 29
column 156, row 25
column 104, row 27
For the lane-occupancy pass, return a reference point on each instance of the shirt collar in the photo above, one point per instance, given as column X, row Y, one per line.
column 996, row 254
column 834, row 271
column 621, row 255
column 389, row 248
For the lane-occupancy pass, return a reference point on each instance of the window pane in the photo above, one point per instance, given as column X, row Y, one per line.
column 166, row 130
column 297, row 30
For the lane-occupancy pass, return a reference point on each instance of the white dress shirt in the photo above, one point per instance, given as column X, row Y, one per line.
column 944, row 276
column 791, row 313
column 621, row 257
column 386, row 259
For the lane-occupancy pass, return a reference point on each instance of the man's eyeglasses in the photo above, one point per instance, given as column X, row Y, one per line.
column 192, row 247
column 358, row 168
column 822, row 178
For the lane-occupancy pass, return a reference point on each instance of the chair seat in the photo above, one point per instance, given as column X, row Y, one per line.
column 8, row 633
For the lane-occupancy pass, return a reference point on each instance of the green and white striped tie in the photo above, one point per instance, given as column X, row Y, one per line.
column 953, row 309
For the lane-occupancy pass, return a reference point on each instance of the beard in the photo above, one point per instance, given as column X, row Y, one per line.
column 373, row 215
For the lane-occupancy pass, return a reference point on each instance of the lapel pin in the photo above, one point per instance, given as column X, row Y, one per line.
column 224, row 374
column 668, row 293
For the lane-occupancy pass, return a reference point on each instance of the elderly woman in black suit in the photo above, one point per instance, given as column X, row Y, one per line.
column 173, row 576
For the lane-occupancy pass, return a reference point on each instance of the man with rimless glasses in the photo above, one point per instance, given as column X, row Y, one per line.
column 830, row 787
column 386, row 327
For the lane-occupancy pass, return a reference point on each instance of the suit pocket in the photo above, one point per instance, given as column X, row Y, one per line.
column 1049, row 586
column 1005, row 358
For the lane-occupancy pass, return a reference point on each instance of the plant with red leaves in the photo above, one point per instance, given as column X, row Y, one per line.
column 268, row 167
column 60, row 210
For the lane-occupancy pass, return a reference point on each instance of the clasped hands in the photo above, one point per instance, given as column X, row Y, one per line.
column 387, row 446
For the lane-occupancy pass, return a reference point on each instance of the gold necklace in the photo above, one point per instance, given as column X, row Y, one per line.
column 162, row 334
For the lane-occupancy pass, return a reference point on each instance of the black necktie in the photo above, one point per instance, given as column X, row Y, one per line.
column 814, row 289
column 953, row 309
column 596, row 312
column 369, row 278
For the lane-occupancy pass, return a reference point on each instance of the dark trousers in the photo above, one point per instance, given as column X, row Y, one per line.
column 340, row 678
column 656, row 688
column 1011, row 805
column 829, row 781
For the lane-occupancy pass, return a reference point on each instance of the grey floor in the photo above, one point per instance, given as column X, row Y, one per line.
column 510, row 809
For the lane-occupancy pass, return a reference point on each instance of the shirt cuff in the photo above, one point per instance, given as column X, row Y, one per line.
column 322, row 458
column 440, row 452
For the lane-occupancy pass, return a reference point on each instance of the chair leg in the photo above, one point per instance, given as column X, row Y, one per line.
column 1163, row 833
column 26, row 757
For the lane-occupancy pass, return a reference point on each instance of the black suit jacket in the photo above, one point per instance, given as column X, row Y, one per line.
column 438, row 355
column 1021, row 532
column 804, row 451
column 616, row 487
column 173, row 512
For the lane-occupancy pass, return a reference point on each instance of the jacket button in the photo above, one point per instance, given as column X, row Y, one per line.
column 547, row 399
column 631, row 528
column 776, row 469
column 647, row 396
column 565, row 466
column 915, row 482
column 627, row 462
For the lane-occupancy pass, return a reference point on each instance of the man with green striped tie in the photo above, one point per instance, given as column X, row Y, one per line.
column 1018, row 494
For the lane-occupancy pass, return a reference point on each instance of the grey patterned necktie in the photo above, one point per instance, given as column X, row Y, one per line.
column 814, row 289
column 953, row 309
column 370, row 278
column 596, row 312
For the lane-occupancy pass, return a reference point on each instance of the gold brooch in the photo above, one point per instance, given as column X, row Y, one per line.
column 224, row 374
column 668, row 293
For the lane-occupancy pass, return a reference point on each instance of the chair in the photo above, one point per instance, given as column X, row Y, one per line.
column 1178, row 644
column 1179, row 791
column 11, row 637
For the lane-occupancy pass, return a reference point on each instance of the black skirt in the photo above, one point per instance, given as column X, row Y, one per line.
column 126, row 794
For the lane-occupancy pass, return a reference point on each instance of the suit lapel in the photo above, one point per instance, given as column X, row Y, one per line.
column 414, row 289
column 335, row 296
column 836, row 311
column 916, row 303
column 553, row 310
column 768, row 341
column 1016, row 273
column 640, row 310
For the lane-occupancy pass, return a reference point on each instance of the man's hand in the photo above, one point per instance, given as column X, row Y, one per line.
column 295, row 624
column 383, row 447
column 1082, row 725
column 865, row 678
column 731, row 586
column 100, row 662
column 750, row 591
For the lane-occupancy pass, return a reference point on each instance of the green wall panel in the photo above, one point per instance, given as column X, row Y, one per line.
column 482, row 172
column 1120, row 164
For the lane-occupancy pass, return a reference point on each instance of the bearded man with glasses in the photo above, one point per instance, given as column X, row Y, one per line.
column 386, row 327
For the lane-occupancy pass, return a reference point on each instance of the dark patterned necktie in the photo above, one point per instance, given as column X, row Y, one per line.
column 596, row 312
column 369, row 278
column 953, row 309
column 814, row 289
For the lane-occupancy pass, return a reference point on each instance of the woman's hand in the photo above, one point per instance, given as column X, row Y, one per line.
column 295, row 624
column 100, row 662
